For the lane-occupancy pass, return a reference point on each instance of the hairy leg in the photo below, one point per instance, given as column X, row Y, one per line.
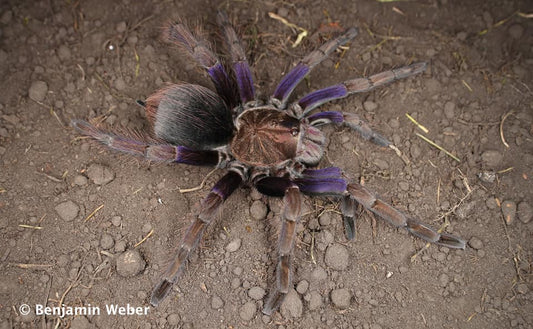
column 210, row 207
column 360, row 85
column 147, row 148
column 291, row 79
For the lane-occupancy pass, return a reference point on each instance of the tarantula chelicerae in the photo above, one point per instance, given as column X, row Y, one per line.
column 270, row 145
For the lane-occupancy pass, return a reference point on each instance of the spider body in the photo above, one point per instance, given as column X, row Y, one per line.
column 272, row 145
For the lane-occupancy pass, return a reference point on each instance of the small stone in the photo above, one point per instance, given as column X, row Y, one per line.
column 234, row 245
column 247, row 311
column 258, row 210
column 370, row 106
column 256, row 293
column 522, row 288
column 116, row 220
column 63, row 52
column 80, row 180
column 318, row 274
column 6, row 17
column 99, row 174
column 491, row 158
column 81, row 322
column 120, row 84
column 315, row 300
column 325, row 219
column 130, row 263
column 449, row 108
column 67, row 210
column 302, row 287
column 121, row 27
column 216, row 303
column 443, row 279
column 341, row 298
column 337, row 257
column 509, row 211
column 106, row 241
column 525, row 213
column 516, row 31
column 292, row 306
column 475, row 243
column 173, row 319
column 38, row 91
column 381, row 164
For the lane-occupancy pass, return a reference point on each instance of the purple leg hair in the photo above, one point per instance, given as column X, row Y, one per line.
column 241, row 68
column 149, row 149
column 291, row 80
column 321, row 186
column 179, row 34
column 351, row 120
column 210, row 207
column 319, row 97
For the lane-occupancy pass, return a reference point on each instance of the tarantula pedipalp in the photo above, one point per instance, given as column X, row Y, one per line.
column 271, row 145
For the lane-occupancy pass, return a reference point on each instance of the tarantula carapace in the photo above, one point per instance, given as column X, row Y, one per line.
column 273, row 145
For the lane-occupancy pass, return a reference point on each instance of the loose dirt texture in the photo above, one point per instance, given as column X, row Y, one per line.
column 69, row 210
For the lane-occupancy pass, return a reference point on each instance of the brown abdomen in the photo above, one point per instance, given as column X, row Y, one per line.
column 265, row 137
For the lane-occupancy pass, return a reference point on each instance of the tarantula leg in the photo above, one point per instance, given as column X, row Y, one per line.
column 241, row 68
column 149, row 149
column 210, row 206
column 290, row 218
column 319, row 97
column 351, row 120
column 179, row 34
column 398, row 219
column 348, row 210
column 291, row 79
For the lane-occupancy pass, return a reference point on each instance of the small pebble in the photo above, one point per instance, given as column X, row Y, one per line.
column 302, row 287
column 116, row 220
column 370, row 106
column 80, row 180
column 63, row 52
column 341, row 298
column 509, row 211
column 491, row 158
column 6, row 17
column 173, row 319
column 516, row 31
column 522, row 288
column 247, row 311
column 67, row 210
column 80, row 322
column 106, row 242
column 449, row 108
column 475, row 243
column 292, row 306
column 443, row 279
column 258, row 210
column 234, row 245
column 130, row 263
column 99, row 174
column 38, row 91
column 525, row 213
column 315, row 300
column 256, row 293
column 120, row 84
column 217, row 303
column 121, row 27
column 337, row 257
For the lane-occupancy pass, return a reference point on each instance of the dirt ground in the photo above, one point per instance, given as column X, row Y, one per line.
column 69, row 209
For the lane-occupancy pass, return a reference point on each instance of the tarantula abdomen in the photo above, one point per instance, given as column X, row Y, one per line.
column 190, row 115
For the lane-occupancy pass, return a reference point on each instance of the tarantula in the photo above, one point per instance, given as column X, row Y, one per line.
column 274, row 145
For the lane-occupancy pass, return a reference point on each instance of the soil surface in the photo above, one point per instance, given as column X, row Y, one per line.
column 82, row 225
